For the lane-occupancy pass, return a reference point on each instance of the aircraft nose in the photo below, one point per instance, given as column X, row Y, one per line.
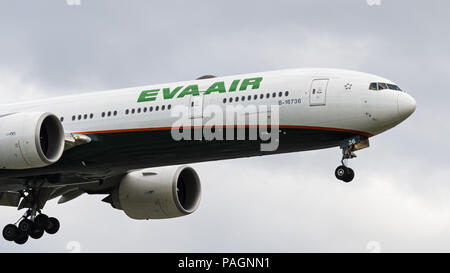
column 406, row 105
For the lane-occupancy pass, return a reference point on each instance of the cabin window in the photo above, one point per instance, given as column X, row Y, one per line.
column 156, row 108
column 163, row 108
column 169, row 106
column 91, row 116
column 224, row 100
column 286, row 93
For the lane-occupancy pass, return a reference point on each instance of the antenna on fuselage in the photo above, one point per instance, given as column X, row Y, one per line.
column 206, row 77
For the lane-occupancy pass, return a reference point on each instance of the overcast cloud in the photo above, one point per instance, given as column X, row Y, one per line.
column 399, row 199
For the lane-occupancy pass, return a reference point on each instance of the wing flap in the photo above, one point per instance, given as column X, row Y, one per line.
column 70, row 196
column 11, row 199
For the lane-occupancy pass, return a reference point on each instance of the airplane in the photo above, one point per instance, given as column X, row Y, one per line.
column 120, row 143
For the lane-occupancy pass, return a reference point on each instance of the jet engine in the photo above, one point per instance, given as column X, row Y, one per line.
column 30, row 140
column 157, row 193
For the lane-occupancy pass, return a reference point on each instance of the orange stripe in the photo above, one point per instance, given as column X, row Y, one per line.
column 235, row 126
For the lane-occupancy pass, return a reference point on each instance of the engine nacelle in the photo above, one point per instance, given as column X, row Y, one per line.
column 30, row 140
column 158, row 193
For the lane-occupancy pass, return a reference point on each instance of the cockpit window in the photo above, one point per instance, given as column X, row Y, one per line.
column 382, row 86
column 393, row 87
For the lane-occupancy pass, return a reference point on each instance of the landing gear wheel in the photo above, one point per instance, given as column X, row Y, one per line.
column 22, row 238
column 42, row 220
column 340, row 172
column 10, row 232
column 53, row 227
column 25, row 225
column 349, row 175
column 36, row 231
column 344, row 173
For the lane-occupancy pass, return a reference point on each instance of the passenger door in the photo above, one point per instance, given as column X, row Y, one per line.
column 318, row 92
column 196, row 106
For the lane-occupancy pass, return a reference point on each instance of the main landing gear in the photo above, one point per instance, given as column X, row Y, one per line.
column 33, row 223
column 30, row 226
column 348, row 146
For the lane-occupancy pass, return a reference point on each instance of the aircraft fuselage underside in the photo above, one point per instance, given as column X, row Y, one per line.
column 110, row 154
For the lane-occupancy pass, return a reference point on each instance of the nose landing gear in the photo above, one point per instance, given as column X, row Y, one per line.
column 345, row 173
column 348, row 146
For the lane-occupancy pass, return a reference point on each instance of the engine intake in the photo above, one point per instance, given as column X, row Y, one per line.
column 158, row 193
column 30, row 140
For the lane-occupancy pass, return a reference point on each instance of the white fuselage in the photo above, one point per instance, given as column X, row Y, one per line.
column 348, row 103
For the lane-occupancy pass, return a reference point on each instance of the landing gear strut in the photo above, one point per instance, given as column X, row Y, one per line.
column 33, row 223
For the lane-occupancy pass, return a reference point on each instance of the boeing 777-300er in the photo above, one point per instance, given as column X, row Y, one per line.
column 121, row 143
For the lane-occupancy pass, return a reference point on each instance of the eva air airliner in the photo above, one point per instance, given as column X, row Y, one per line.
column 125, row 143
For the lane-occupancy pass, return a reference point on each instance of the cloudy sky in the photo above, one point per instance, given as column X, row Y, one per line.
column 400, row 198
